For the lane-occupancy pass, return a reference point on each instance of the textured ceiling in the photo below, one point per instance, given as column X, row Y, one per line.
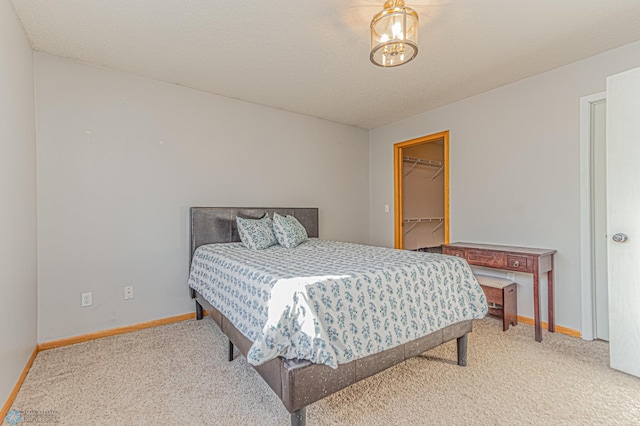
column 312, row 56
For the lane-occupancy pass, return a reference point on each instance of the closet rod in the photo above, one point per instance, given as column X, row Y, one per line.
column 423, row 219
column 423, row 162
column 416, row 221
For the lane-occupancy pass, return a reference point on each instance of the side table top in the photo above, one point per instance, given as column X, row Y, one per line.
column 511, row 249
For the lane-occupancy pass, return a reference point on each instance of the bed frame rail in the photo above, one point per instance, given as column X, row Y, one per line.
column 299, row 383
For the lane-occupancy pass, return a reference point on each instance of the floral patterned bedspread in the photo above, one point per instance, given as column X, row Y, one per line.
column 331, row 302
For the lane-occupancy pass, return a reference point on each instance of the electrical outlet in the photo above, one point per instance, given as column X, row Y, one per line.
column 86, row 300
column 128, row 292
column 386, row 208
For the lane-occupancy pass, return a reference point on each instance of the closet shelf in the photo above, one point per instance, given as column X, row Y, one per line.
column 423, row 162
column 415, row 221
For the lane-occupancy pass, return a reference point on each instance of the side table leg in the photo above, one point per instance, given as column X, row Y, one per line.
column 552, row 326
column 536, row 304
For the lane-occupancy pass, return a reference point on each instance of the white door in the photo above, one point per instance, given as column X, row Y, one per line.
column 623, row 219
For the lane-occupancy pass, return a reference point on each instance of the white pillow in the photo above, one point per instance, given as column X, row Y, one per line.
column 256, row 234
column 289, row 232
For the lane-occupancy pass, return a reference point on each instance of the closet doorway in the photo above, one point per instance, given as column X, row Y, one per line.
column 421, row 192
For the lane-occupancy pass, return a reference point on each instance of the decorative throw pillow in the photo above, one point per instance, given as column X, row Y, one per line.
column 289, row 232
column 256, row 234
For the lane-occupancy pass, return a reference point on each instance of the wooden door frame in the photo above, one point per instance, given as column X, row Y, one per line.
column 398, row 195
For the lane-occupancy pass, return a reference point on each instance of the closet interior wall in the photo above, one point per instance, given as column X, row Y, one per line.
column 423, row 196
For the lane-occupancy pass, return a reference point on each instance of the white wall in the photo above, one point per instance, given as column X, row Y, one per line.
column 514, row 161
column 18, row 291
column 122, row 158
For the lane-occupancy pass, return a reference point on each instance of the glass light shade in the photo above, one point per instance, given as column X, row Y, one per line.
column 394, row 35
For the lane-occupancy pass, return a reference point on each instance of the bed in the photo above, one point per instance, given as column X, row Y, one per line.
column 333, row 361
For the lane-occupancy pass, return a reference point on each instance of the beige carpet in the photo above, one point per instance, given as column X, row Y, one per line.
column 178, row 375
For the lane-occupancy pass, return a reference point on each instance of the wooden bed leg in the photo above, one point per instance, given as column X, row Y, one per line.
column 230, row 351
column 462, row 350
column 299, row 417
column 198, row 311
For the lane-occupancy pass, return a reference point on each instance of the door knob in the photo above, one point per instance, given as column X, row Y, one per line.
column 620, row 238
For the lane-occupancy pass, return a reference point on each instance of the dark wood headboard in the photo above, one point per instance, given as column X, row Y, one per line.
column 209, row 225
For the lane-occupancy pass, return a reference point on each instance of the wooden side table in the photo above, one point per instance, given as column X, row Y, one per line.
column 520, row 259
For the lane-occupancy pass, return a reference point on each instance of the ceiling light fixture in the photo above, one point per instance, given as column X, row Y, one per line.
column 394, row 35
